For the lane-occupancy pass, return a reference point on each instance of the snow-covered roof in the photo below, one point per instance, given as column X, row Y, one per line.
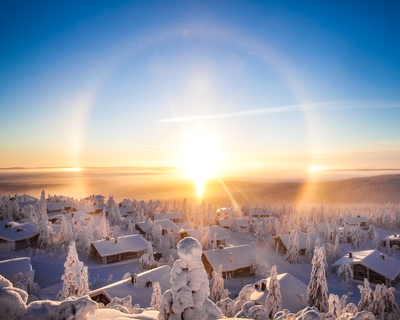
column 302, row 239
column 125, row 210
column 355, row 220
column 58, row 206
column 262, row 213
column 129, row 243
column 226, row 210
column 167, row 215
column 9, row 268
column 68, row 215
column 395, row 236
column 375, row 260
column 242, row 257
column 293, row 291
column 139, row 292
column 97, row 197
column 224, row 223
column 18, row 231
column 91, row 207
column 165, row 224
column 221, row 234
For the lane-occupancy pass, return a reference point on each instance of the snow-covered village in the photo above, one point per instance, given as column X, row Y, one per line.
column 199, row 160
column 94, row 258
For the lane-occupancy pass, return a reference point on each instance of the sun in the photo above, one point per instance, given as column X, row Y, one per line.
column 201, row 158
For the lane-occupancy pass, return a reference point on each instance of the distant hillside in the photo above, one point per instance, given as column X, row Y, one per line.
column 377, row 189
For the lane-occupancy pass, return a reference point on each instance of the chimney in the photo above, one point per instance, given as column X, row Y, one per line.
column 263, row 285
column 115, row 240
column 134, row 278
column 350, row 254
column 231, row 257
column 221, row 247
column 383, row 257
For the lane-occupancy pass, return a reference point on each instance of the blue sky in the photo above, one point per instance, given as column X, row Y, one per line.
column 277, row 86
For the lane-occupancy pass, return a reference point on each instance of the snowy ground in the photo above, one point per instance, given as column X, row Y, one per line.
column 48, row 270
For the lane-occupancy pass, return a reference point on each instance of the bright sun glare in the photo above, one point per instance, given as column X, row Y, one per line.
column 314, row 168
column 201, row 158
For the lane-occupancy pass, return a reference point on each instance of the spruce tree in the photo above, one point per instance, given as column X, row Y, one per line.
column 317, row 292
column 273, row 301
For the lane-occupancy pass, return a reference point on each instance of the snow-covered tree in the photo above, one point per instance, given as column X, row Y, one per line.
column 273, row 301
column 335, row 249
column 44, row 241
column 355, row 235
column 147, row 261
column 156, row 296
column 187, row 298
column 345, row 273
column 375, row 240
column 391, row 306
column 367, row 296
column 377, row 307
column 292, row 254
column 256, row 266
column 83, row 289
column 317, row 292
column 72, row 274
column 65, row 235
column 218, row 285
column 309, row 250
column 244, row 296
column 26, row 282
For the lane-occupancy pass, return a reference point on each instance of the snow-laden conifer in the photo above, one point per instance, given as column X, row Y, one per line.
column 345, row 273
column 292, row 254
column 309, row 250
column 218, row 285
column 187, row 298
column 83, row 289
column 72, row 274
column 367, row 296
column 44, row 241
column 317, row 292
column 273, row 301
column 156, row 296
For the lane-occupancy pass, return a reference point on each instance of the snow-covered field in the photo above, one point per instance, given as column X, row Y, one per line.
column 49, row 263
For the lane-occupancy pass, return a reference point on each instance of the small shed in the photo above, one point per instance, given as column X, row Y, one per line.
column 293, row 291
column 226, row 212
column 166, row 225
column 358, row 220
column 236, row 261
column 91, row 209
column 241, row 222
column 117, row 249
column 262, row 213
column 394, row 239
column 22, row 235
column 53, row 207
column 220, row 234
column 139, row 287
column 9, row 268
column 175, row 217
column 282, row 240
column 373, row 265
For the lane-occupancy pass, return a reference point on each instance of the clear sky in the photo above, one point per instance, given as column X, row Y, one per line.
column 257, row 89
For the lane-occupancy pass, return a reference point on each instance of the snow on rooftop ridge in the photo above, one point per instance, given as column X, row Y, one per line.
column 140, row 291
column 243, row 256
column 9, row 268
column 14, row 231
column 220, row 233
column 293, row 291
column 129, row 243
column 302, row 239
column 374, row 260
